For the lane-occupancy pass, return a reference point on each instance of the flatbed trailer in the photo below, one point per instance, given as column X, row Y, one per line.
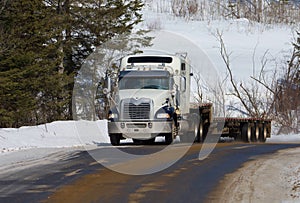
column 238, row 128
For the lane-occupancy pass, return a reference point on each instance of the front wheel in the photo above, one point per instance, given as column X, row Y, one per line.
column 115, row 139
column 168, row 138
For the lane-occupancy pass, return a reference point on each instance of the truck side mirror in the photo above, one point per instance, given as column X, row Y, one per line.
column 108, row 89
column 183, row 84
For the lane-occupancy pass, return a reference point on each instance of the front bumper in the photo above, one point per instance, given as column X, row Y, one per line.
column 140, row 130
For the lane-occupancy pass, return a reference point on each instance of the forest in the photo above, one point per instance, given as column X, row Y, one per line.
column 43, row 45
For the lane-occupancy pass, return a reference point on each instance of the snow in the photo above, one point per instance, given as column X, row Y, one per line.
column 290, row 138
column 243, row 40
column 247, row 43
column 272, row 178
column 54, row 135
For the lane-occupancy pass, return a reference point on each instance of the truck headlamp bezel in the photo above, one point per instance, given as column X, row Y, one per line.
column 113, row 115
column 165, row 113
column 163, row 116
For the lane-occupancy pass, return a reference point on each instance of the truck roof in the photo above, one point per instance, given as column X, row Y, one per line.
column 154, row 74
column 132, row 62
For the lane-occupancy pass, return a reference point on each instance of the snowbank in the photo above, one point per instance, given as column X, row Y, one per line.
column 54, row 135
column 289, row 138
column 272, row 178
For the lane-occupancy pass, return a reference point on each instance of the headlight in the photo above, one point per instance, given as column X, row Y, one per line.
column 163, row 115
column 113, row 116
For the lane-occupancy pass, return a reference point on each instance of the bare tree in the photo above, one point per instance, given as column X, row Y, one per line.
column 198, row 95
column 267, row 96
column 254, row 101
column 287, row 105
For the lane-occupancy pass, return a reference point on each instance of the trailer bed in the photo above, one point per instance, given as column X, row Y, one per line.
column 239, row 128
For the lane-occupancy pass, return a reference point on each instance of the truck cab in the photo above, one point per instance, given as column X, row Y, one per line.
column 151, row 97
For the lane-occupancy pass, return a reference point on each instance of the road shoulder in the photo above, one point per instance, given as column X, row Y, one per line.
column 271, row 178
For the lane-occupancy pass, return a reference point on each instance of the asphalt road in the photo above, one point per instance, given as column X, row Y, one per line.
column 79, row 178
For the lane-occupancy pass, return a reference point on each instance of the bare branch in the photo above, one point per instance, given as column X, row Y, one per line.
column 252, row 102
column 225, row 57
column 263, row 84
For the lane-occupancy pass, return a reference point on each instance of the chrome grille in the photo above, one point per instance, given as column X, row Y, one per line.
column 140, row 111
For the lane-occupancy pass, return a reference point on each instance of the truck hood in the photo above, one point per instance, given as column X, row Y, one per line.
column 157, row 96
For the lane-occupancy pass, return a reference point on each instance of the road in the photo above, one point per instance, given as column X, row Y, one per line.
column 77, row 177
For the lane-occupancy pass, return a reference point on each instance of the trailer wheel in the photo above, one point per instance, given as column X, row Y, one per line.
column 115, row 139
column 263, row 134
column 200, row 135
column 246, row 132
column 255, row 133
column 197, row 129
column 205, row 131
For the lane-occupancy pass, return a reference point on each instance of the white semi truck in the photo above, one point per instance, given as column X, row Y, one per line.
column 152, row 98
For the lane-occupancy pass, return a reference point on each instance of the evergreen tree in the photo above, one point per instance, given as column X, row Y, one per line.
column 43, row 44
column 25, row 57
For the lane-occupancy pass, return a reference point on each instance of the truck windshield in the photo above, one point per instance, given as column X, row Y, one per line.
column 144, row 83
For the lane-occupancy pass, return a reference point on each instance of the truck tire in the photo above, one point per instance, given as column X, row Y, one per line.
column 191, row 136
column 246, row 132
column 168, row 138
column 200, row 136
column 198, row 132
column 263, row 134
column 115, row 139
column 205, row 131
column 255, row 133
